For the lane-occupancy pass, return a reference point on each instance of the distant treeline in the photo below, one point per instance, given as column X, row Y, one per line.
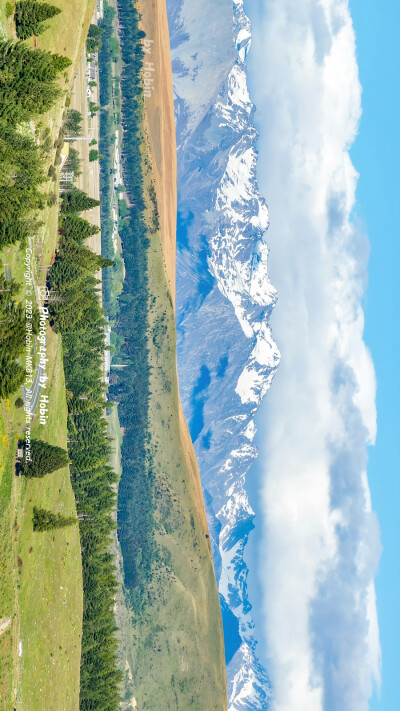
column 131, row 385
column 75, row 313
column 106, row 148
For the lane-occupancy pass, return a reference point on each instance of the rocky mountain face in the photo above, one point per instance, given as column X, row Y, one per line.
column 226, row 354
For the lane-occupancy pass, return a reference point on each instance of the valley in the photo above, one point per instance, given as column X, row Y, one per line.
column 58, row 589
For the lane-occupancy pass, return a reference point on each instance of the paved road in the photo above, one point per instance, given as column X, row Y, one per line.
column 32, row 396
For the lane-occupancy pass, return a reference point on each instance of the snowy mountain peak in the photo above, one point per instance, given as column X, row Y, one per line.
column 226, row 354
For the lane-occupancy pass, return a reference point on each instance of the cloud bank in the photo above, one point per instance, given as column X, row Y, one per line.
column 322, row 544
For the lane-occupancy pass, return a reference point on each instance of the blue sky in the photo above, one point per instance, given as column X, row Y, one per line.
column 376, row 155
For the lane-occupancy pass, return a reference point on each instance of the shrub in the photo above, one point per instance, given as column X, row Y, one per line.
column 73, row 122
column 59, row 142
column 93, row 42
column 93, row 155
column 93, row 108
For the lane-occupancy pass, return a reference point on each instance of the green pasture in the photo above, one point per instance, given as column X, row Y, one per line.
column 40, row 573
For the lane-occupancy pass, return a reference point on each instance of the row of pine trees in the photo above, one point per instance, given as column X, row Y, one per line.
column 76, row 313
column 29, row 87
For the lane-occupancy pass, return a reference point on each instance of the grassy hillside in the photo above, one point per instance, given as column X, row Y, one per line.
column 193, row 671
column 172, row 640
column 172, row 643
column 49, row 573
column 40, row 574
column 177, row 653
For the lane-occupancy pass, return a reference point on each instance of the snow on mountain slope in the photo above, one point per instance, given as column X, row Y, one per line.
column 226, row 353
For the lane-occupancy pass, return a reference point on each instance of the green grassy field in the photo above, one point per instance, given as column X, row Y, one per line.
column 49, row 570
column 40, row 573
column 6, row 579
column 174, row 648
column 6, row 26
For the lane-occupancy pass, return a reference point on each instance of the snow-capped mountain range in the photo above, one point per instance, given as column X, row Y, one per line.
column 226, row 354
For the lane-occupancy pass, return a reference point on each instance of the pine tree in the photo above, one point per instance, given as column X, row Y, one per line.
column 75, row 201
column 46, row 458
column 29, row 17
column 12, row 375
column 44, row 520
column 76, row 228
column 73, row 122
column 73, row 162
column 27, row 87
column 83, row 257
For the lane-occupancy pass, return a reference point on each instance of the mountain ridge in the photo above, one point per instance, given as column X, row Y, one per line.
column 226, row 354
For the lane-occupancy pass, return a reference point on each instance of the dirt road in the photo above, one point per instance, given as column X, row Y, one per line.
column 5, row 624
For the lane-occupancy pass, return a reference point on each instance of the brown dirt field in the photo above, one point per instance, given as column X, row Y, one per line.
column 160, row 125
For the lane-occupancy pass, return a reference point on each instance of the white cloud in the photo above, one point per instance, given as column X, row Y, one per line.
column 321, row 544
